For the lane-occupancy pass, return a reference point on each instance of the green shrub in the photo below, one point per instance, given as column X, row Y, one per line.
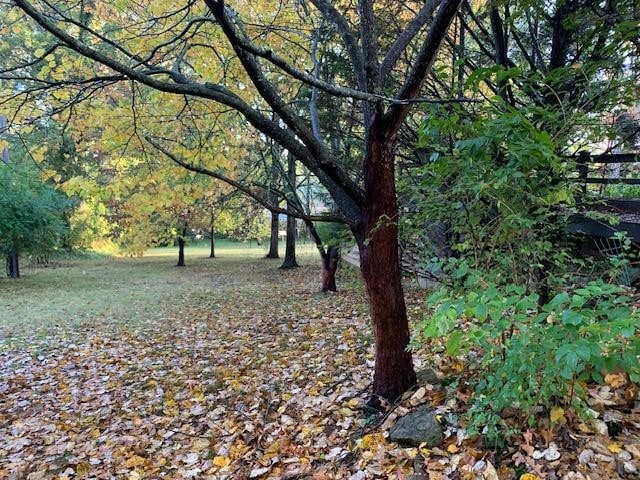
column 526, row 357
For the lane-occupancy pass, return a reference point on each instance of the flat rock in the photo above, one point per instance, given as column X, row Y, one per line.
column 416, row 428
column 428, row 376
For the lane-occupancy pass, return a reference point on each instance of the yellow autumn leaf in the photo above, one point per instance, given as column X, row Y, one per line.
column 200, row 444
column 354, row 402
column 529, row 476
column 453, row 448
column 424, row 451
column 82, row 469
column 556, row 415
column 371, row 441
column 614, row 447
column 198, row 396
column 134, row 475
column 134, row 461
column 273, row 448
column 220, row 461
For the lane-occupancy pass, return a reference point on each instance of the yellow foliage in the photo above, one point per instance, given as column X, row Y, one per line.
column 134, row 461
column 614, row 447
column 556, row 415
column 529, row 476
column 221, row 461
column 372, row 441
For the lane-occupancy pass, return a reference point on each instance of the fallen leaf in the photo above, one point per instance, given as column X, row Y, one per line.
column 221, row 461
column 134, row 461
column 614, row 447
column 615, row 380
column 556, row 415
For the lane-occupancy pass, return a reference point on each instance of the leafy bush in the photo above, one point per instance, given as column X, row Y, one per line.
column 31, row 214
column 500, row 188
column 334, row 234
column 528, row 356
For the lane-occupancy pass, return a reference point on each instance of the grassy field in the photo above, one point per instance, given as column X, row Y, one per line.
column 101, row 291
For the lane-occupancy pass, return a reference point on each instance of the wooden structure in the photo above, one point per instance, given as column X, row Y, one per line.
column 627, row 210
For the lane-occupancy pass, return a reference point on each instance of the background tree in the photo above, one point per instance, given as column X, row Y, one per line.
column 31, row 217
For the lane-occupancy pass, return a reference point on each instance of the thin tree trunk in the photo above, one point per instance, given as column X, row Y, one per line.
column 181, row 243
column 290, row 250
column 330, row 259
column 273, row 243
column 13, row 265
column 380, row 265
column 330, row 262
column 213, row 237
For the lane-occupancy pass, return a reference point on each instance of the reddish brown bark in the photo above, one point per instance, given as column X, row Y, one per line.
column 330, row 262
column 380, row 267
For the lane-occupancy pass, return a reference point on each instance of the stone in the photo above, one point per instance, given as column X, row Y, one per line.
column 624, row 455
column 416, row 428
column 629, row 467
column 428, row 376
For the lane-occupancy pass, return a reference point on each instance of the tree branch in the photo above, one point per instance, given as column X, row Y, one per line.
column 408, row 34
column 269, row 93
column 396, row 114
column 246, row 190
column 317, row 160
column 348, row 38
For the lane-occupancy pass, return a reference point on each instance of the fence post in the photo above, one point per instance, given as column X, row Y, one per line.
column 583, row 171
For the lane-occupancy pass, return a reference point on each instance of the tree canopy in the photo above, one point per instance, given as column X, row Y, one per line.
column 31, row 216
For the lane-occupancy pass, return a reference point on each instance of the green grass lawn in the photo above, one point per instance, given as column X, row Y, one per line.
column 105, row 292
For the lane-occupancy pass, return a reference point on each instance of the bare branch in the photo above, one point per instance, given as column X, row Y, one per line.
column 348, row 37
column 407, row 35
column 396, row 114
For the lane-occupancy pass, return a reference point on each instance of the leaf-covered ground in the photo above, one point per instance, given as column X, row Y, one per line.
column 231, row 368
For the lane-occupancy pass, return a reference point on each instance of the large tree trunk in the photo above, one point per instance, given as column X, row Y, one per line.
column 181, row 243
column 13, row 265
column 330, row 262
column 213, row 238
column 273, row 242
column 380, row 265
